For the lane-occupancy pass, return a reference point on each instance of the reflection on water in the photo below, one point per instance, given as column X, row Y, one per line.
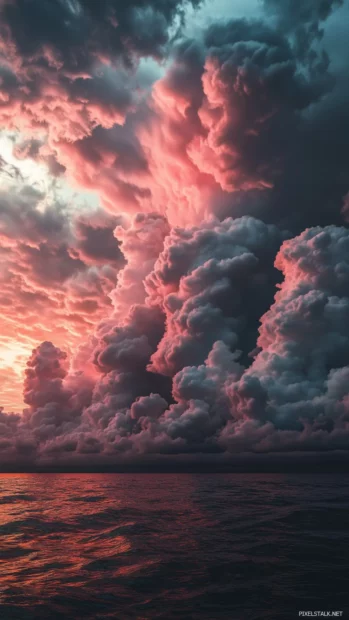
column 172, row 546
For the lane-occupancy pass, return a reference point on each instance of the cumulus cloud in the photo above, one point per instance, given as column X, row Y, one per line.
column 64, row 63
column 303, row 338
column 206, row 281
column 201, row 312
column 219, row 130
column 292, row 396
column 56, row 275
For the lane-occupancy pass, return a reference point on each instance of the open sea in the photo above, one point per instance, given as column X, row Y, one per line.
column 196, row 546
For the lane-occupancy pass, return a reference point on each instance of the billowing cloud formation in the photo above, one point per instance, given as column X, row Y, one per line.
column 55, row 276
column 206, row 281
column 59, row 60
column 221, row 119
column 203, row 309
column 298, row 378
column 198, row 297
column 226, row 128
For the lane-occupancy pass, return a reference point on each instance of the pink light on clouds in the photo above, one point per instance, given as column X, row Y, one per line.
column 187, row 312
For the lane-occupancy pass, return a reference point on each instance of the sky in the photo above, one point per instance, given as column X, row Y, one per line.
column 174, row 243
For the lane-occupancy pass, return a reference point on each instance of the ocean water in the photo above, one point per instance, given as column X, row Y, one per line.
column 193, row 546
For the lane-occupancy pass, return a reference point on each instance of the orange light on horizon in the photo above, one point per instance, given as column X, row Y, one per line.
column 13, row 358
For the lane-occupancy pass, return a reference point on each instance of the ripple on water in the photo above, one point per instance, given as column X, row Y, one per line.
column 188, row 546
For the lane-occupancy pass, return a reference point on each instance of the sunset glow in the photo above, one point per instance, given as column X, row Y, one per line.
column 174, row 250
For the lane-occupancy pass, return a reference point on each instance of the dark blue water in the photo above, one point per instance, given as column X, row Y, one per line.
column 195, row 546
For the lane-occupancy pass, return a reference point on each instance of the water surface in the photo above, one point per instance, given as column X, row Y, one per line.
column 197, row 546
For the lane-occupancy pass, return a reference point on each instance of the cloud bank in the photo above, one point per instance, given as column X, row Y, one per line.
column 201, row 311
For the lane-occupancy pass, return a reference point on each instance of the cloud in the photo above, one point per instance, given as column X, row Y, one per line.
column 201, row 311
column 297, row 379
column 216, row 133
column 59, row 74
column 57, row 272
column 206, row 281
column 293, row 396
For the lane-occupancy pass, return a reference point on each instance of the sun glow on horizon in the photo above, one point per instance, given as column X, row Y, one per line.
column 35, row 173
column 13, row 358
column 18, row 341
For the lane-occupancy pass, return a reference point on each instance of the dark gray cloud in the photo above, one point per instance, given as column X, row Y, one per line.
column 241, row 113
column 293, row 396
column 297, row 379
column 206, row 281
column 80, row 32
column 63, row 63
column 223, row 303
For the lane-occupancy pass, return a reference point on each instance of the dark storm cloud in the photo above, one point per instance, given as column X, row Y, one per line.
column 206, row 281
column 253, row 74
column 44, row 375
column 78, row 32
column 58, row 60
column 314, row 178
column 302, row 20
column 250, row 117
column 240, row 114
column 298, row 379
column 96, row 242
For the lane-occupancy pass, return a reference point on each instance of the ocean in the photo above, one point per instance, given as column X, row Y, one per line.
column 196, row 546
